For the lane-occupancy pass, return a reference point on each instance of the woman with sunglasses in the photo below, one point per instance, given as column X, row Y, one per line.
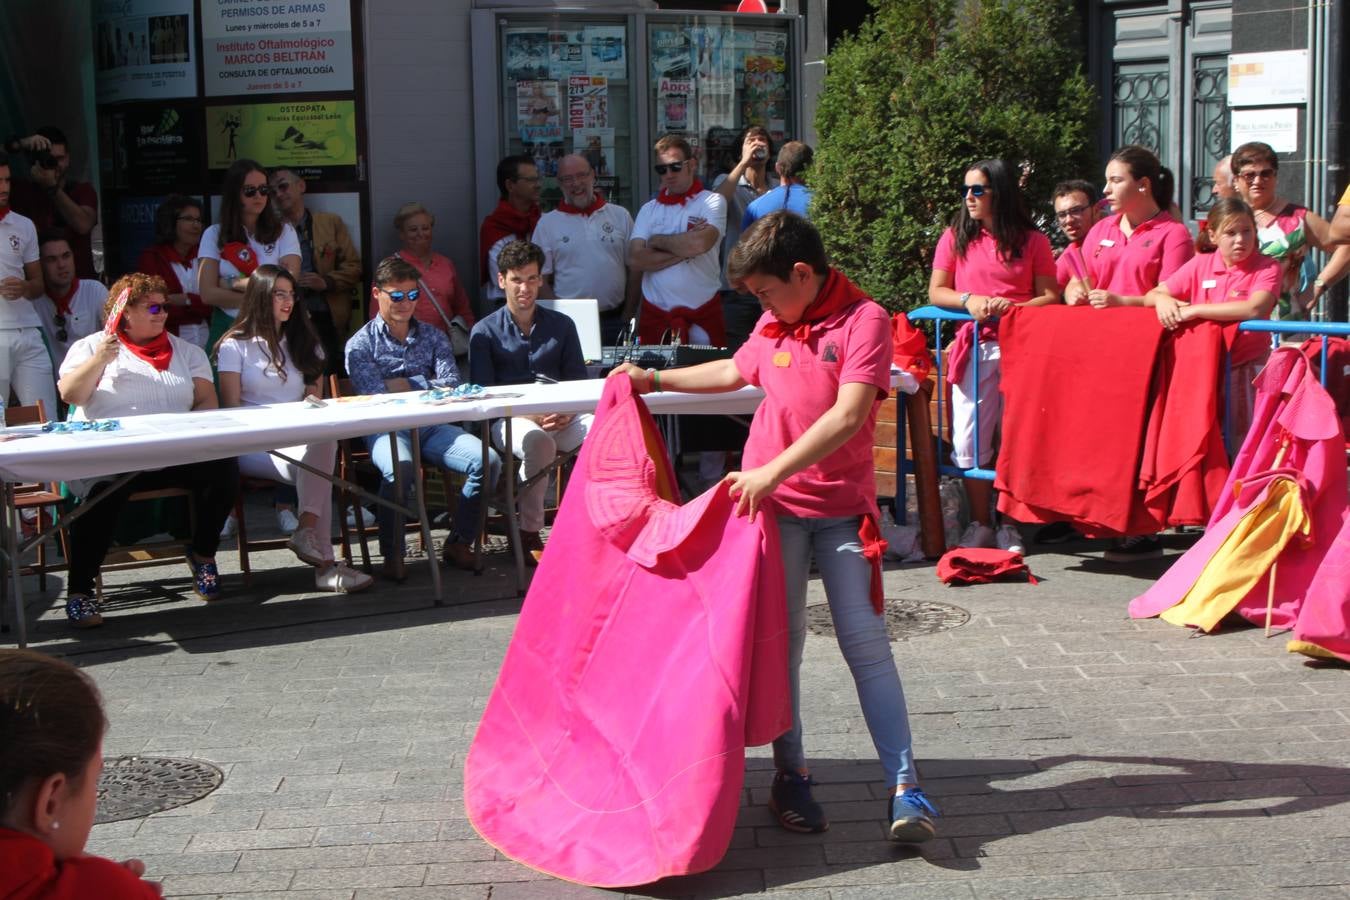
column 272, row 355
column 990, row 259
column 1284, row 229
column 137, row 370
column 250, row 234
column 173, row 257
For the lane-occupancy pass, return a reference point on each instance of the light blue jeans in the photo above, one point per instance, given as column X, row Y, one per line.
column 449, row 447
column 862, row 637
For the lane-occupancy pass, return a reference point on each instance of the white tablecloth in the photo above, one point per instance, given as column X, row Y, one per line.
column 157, row 441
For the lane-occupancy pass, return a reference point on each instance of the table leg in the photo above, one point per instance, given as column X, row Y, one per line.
column 419, row 492
column 12, row 551
column 512, row 516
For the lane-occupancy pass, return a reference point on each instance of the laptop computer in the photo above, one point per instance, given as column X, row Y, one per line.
column 585, row 314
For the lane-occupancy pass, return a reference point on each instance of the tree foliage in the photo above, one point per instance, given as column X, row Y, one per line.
column 924, row 89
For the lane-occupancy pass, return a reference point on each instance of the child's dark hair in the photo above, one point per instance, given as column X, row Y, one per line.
column 1219, row 214
column 51, row 721
column 773, row 245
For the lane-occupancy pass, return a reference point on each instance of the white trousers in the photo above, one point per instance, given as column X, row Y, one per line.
column 26, row 367
column 316, row 494
column 965, row 408
column 537, row 449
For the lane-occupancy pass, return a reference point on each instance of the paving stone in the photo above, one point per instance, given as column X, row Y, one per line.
column 366, row 876
column 265, row 839
column 306, row 858
column 378, row 833
column 227, row 883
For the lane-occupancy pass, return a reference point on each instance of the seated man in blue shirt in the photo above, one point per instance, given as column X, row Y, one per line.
column 394, row 352
column 515, row 345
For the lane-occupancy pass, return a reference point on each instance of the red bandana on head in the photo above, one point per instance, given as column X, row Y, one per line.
column 597, row 202
column 835, row 294
column 241, row 256
column 670, row 199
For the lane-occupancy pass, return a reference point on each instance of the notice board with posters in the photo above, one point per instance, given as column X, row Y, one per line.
column 220, row 80
column 607, row 84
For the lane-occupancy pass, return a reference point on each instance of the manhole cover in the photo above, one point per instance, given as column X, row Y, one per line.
column 135, row 786
column 904, row 618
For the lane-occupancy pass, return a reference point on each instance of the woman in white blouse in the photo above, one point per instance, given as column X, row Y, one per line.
column 141, row 369
column 272, row 355
column 250, row 233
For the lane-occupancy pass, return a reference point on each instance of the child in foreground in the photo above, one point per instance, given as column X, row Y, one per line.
column 51, row 753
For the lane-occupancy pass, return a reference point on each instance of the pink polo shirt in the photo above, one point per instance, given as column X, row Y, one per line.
column 1133, row 266
column 801, row 382
column 1205, row 279
column 983, row 272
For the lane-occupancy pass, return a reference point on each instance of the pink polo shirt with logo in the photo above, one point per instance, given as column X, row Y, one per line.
column 1205, row 279
column 801, row 381
column 1133, row 266
column 982, row 271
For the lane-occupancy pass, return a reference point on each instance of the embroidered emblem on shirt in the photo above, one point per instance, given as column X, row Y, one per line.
column 782, row 359
column 694, row 222
column 270, row 249
column 14, row 242
column 831, row 353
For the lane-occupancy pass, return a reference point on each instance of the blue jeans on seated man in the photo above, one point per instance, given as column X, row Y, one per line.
column 449, row 447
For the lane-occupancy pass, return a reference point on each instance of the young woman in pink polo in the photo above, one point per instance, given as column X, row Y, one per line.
column 1125, row 256
column 1229, row 280
column 991, row 259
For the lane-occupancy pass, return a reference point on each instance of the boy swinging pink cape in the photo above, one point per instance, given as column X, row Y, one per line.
column 651, row 650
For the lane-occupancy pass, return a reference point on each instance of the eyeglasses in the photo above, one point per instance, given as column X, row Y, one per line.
column 283, row 295
column 1072, row 212
column 60, row 321
column 259, row 191
column 663, row 168
column 281, row 186
column 195, row 220
column 573, row 179
column 401, row 297
column 153, row 309
column 974, row 190
column 1252, row 177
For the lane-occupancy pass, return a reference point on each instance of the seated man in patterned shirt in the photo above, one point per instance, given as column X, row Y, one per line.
column 394, row 352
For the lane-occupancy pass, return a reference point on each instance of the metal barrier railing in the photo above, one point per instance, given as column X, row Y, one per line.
column 939, row 317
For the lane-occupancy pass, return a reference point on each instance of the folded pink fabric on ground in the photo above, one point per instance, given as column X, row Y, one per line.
column 651, row 650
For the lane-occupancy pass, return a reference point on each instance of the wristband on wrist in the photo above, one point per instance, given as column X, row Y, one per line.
column 965, row 301
column 656, row 379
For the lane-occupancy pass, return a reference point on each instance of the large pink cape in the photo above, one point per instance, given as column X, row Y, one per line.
column 1292, row 410
column 651, row 650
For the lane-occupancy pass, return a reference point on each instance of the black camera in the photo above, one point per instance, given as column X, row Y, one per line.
column 45, row 160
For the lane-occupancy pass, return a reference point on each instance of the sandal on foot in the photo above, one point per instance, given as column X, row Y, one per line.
column 205, row 577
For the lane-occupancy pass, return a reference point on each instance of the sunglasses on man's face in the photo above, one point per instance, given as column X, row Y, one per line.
column 259, row 191
column 663, row 168
column 402, row 297
column 974, row 190
column 1072, row 212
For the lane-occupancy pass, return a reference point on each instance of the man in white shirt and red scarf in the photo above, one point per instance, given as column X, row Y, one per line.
column 517, row 212
column 585, row 244
column 675, row 245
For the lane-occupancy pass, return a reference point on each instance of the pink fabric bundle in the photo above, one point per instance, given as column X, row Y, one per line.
column 651, row 650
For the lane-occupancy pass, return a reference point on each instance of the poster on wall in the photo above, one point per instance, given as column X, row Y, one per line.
column 251, row 47
column 671, row 50
column 605, row 51
column 156, row 150
column 566, row 54
column 143, row 50
column 538, row 104
column 527, row 54
column 674, row 98
column 316, row 138
column 587, row 101
column 597, row 146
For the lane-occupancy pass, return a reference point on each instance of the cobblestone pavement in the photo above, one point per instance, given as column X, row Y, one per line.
column 1072, row 751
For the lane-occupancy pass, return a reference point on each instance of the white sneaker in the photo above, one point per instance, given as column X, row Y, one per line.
column 304, row 543
column 367, row 518
column 976, row 535
column 341, row 580
column 229, row 529
column 1009, row 538
column 287, row 521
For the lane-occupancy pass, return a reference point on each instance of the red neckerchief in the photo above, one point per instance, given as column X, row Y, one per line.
column 835, row 294
column 597, row 201
column 4, row 212
column 502, row 222
column 670, row 199
column 158, row 351
column 63, row 303
column 240, row 255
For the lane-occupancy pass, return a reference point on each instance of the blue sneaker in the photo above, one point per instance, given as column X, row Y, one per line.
column 910, row 813
column 205, row 577
column 791, row 801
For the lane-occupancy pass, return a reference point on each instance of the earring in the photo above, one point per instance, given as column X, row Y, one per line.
column 1141, row 190
column 56, row 826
